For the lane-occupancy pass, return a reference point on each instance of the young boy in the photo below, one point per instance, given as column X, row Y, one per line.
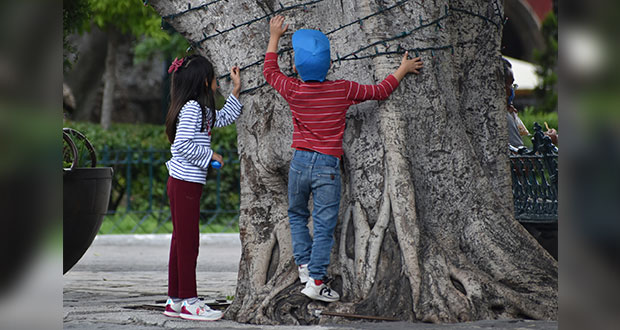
column 318, row 107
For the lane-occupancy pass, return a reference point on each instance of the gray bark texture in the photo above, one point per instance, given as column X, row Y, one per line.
column 426, row 230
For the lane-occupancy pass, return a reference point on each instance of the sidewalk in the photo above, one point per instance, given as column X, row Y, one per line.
column 121, row 283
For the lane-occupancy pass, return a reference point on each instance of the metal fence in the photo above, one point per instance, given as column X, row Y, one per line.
column 535, row 180
column 535, row 187
column 139, row 203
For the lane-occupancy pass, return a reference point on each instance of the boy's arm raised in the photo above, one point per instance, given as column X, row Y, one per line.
column 276, row 30
column 271, row 70
column 358, row 93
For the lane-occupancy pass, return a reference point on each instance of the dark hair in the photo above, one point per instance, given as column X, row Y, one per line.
column 507, row 70
column 188, row 83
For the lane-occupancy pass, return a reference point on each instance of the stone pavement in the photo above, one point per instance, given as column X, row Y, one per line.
column 121, row 281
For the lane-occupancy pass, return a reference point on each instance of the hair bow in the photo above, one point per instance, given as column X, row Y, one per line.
column 176, row 64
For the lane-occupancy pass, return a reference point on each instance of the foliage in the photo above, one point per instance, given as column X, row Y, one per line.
column 158, row 222
column 147, row 185
column 175, row 46
column 529, row 116
column 127, row 17
column 75, row 16
column 546, row 61
column 122, row 136
column 143, row 22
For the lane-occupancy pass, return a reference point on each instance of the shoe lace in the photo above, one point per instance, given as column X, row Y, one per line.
column 326, row 289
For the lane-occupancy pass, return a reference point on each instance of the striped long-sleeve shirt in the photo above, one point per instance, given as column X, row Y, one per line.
column 319, row 108
column 191, row 149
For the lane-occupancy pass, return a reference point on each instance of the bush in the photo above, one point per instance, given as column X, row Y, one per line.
column 122, row 136
column 141, row 186
column 529, row 116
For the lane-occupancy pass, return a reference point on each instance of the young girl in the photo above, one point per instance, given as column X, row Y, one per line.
column 191, row 117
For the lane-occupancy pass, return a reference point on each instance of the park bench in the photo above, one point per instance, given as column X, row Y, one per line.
column 535, row 179
column 535, row 188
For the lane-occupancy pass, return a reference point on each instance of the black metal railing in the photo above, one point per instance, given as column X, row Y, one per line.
column 139, row 203
column 535, row 180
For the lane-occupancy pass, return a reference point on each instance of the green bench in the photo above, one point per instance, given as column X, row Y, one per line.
column 535, row 179
column 535, row 188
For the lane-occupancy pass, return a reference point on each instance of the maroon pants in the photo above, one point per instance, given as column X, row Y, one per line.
column 185, row 210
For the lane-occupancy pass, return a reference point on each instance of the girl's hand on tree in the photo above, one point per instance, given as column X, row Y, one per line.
column 276, row 29
column 217, row 157
column 235, row 75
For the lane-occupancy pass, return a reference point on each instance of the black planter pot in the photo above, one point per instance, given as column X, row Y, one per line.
column 86, row 193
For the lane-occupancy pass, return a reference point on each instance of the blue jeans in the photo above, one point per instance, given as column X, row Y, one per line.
column 319, row 174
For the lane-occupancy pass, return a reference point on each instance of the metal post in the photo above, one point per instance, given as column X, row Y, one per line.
column 128, row 160
column 150, row 152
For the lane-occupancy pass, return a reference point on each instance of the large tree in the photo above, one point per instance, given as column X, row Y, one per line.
column 426, row 227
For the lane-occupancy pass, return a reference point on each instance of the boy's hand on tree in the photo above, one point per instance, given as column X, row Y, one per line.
column 408, row 66
column 413, row 65
column 276, row 28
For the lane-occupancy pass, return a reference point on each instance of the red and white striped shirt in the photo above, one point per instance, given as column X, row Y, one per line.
column 319, row 108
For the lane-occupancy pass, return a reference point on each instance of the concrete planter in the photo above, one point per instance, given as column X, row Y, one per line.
column 86, row 194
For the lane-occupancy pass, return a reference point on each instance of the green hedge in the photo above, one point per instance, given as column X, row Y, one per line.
column 145, row 136
column 121, row 137
column 529, row 116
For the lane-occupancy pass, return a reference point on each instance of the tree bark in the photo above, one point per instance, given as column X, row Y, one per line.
column 109, row 79
column 426, row 227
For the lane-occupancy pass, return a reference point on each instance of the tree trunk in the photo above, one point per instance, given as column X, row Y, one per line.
column 109, row 79
column 426, row 228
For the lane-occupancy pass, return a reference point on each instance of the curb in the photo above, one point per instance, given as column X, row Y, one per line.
column 164, row 239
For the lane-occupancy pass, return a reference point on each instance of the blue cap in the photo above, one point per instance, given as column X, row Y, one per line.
column 312, row 56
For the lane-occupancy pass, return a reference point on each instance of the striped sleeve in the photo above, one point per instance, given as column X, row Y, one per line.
column 275, row 78
column 229, row 113
column 358, row 92
column 196, row 154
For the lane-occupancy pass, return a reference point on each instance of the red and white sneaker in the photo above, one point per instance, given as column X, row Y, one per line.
column 198, row 312
column 317, row 290
column 173, row 309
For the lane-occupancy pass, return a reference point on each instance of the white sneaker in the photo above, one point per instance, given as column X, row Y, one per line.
column 198, row 312
column 320, row 292
column 304, row 273
column 173, row 309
